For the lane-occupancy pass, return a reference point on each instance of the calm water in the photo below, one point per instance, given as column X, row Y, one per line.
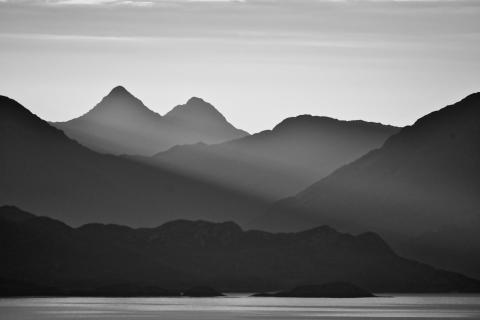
column 243, row 307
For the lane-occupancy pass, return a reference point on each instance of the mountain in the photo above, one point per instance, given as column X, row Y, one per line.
column 420, row 191
column 200, row 120
column 277, row 163
column 122, row 124
column 183, row 254
column 44, row 171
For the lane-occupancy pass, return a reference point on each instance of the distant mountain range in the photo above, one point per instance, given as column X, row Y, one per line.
column 122, row 124
column 180, row 254
column 44, row 171
column 280, row 162
column 417, row 187
column 421, row 190
column 271, row 164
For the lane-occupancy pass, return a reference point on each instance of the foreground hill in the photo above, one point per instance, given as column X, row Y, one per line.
column 420, row 190
column 42, row 170
column 183, row 254
column 122, row 124
column 279, row 162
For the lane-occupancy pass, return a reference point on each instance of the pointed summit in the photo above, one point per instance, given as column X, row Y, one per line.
column 196, row 100
column 120, row 95
column 195, row 108
column 119, row 90
column 204, row 119
column 119, row 102
column 119, row 123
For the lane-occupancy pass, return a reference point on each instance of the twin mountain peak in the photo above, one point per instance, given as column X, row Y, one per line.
column 120, row 99
column 121, row 124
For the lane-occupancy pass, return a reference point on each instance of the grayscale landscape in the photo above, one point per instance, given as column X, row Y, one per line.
column 239, row 159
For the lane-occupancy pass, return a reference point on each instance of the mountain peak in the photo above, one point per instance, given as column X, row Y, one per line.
column 119, row 91
column 195, row 105
column 119, row 88
column 118, row 103
column 203, row 118
column 196, row 101
column 195, row 109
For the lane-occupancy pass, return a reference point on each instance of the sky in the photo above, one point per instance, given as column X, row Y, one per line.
column 257, row 61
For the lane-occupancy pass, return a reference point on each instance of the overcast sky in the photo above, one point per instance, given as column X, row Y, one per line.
column 257, row 61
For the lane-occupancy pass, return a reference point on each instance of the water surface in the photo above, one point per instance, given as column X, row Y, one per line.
column 237, row 306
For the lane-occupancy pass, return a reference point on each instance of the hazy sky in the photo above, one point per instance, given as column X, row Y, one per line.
column 257, row 61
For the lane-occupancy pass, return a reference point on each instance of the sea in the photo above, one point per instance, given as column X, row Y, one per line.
column 242, row 306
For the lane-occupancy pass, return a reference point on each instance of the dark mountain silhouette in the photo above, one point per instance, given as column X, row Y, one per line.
column 183, row 254
column 420, row 190
column 279, row 162
column 326, row 290
column 44, row 171
column 122, row 124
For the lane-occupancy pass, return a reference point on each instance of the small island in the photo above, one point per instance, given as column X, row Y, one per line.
column 202, row 291
column 327, row 290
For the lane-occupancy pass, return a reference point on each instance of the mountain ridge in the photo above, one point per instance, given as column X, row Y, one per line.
column 328, row 120
column 45, row 171
column 122, row 124
column 279, row 162
column 182, row 254
column 423, row 181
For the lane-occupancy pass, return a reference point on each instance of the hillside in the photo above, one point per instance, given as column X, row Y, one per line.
column 181, row 254
column 280, row 162
column 420, row 190
column 44, row 171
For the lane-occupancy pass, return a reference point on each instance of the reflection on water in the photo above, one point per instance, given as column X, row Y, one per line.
column 244, row 307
